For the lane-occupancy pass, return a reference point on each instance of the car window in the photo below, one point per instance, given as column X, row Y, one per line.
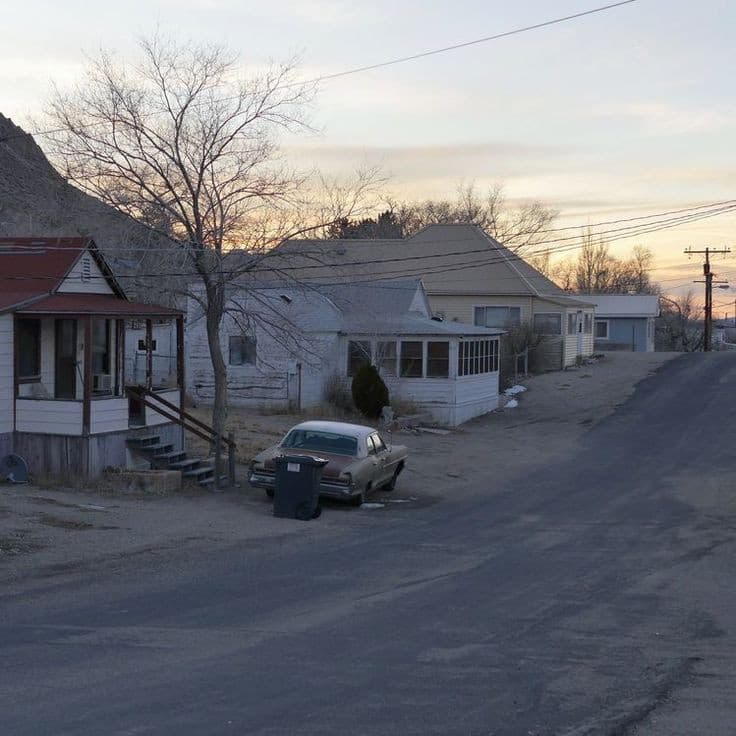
column 337, row 444
column 371, row 446
column 379, row 443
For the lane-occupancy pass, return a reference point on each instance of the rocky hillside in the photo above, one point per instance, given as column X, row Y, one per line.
column 35, row 200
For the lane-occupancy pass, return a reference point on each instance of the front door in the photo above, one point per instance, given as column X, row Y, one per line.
column 65, row 381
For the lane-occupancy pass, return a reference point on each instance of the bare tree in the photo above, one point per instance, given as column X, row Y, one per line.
column 679, row 326
column 180, row 141
column 516, row 227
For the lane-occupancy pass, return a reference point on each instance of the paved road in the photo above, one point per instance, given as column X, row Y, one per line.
column 594, row 597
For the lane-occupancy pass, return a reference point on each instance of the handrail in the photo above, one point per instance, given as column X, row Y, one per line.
column 179, row 416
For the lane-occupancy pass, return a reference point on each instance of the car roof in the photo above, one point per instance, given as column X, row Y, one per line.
column 355, row 430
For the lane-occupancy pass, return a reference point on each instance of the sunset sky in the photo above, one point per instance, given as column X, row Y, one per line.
column 625, row 112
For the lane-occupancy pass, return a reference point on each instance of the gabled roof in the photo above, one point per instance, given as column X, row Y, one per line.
column 32, row 268
column 450, row 259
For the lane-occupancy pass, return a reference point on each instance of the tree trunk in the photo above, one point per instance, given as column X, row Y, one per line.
column 215, row 311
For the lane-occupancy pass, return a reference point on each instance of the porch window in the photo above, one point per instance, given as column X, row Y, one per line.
column 438, row 359
column 601, row 329
column 101, row 357
column 572, row 321
column 412, row 359
column 588, row 326
column 477, row 356
column 386, row 356
column 359, row 354
column 549, row 323
column 241, row 349
column 499, row 317
column 29, row 349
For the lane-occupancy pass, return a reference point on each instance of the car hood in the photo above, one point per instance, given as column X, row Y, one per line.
column 336, row 464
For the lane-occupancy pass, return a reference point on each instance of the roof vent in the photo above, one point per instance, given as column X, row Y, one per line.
column 285, row 298
column 86, row 269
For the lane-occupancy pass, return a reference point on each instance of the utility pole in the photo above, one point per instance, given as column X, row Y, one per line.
column 708, row 281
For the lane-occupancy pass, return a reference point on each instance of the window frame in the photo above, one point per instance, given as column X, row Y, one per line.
column 365, row 353
column 478, row 357
column 388, row 363
column 34, row 377
column 558, row 315
column 248, row 347
column 433, row 360
column 508, row 322
column 421, row 358
column 605, row 322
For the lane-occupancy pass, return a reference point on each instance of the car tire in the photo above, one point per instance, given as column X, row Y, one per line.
column 357, row 500
column 270, row 492
column 392, row 483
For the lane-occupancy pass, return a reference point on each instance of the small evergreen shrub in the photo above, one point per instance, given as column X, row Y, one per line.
column 370, row 393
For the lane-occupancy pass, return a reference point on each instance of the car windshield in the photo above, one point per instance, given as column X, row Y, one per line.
column 309, row 439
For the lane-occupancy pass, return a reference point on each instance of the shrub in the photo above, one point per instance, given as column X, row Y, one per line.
column 369, row 391
column 337, row 394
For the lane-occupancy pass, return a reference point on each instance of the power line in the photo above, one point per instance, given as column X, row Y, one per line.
column 383, row 64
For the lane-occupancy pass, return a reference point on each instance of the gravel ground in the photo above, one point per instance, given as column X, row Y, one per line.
column 48, row 531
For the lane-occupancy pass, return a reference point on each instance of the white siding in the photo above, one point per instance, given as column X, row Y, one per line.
column 48, row 417
column 108, row 415
column 74, row 282
column 7, row 373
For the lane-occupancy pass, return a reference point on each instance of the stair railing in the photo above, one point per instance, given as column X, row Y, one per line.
column 190, row 423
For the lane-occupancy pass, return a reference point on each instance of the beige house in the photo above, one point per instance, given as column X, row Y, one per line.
column 468, row 276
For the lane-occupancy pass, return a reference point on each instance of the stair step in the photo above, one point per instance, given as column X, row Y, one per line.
column 141, row 441
column 186, row 464
column 199, row 472
column 171, row 457
column 210, row 481
column 159, row 450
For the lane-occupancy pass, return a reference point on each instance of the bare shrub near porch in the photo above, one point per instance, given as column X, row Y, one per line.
column 337, row 394
column 183, row 143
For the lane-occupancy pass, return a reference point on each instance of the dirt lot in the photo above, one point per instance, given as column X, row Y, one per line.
column 48, row 531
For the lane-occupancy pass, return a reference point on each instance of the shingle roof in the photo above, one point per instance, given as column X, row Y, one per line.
column 624, row 305
column 98, row 304
column 450, row 259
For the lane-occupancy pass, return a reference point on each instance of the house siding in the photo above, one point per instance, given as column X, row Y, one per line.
column 109, row 415
column 7, row 373
column 48, row 416
column 460, row 308
column 627, row 333
column 75, row 283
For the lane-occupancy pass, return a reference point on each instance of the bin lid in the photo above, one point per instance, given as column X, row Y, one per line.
column 301, row 460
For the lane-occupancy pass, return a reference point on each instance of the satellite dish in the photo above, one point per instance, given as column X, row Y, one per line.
column 14, row 469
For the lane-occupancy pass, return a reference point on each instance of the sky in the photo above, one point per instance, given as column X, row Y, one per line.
column 618, row 114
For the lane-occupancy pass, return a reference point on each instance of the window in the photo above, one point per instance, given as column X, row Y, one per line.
column 359, row 354
column 572, row 321
column 601, row 329
column 29, row 349
column 412, row 359
column 386, row 356
column 500, row 317
column 378, row 442
column 242, row 350
column 548, row 323
column 438, row 359
column 142, row 345
column 477, row 356
column 100, row 346
column 588, row 323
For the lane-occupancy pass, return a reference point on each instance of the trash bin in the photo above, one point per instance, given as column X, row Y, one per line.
column 296, row 491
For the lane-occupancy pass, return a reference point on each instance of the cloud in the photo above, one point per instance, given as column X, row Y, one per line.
column 667, row 119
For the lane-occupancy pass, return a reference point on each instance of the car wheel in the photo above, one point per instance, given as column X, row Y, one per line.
column 357, row 500
column 269, row 492
column 392, row 483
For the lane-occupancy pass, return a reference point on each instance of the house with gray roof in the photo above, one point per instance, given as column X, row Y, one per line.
column 624, row 321
column 287, row 345
column 469, row 278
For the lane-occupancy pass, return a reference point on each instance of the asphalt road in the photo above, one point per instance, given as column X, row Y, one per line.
column 594, row 597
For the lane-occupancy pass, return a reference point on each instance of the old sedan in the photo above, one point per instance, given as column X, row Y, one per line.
column 359, row 461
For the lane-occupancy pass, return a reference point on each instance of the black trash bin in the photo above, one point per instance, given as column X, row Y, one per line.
column 296, row 491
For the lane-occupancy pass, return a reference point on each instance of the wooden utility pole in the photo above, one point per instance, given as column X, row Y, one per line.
column 708, row 281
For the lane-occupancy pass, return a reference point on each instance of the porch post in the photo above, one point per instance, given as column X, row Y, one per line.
column 87, row 377
column 149, row 354
column 180, row 376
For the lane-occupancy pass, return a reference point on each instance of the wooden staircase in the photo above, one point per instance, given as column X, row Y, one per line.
column 162, row 456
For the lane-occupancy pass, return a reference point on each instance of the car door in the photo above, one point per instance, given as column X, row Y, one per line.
column 378, row 452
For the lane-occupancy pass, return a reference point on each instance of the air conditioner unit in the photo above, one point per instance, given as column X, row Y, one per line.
column 101, row 382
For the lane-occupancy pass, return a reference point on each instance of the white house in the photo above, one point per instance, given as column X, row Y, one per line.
column 468, row 276
column 64, row 404
column 284, row 345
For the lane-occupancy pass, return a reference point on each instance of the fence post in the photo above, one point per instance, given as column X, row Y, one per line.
column 218, row 460
column 231, row 458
